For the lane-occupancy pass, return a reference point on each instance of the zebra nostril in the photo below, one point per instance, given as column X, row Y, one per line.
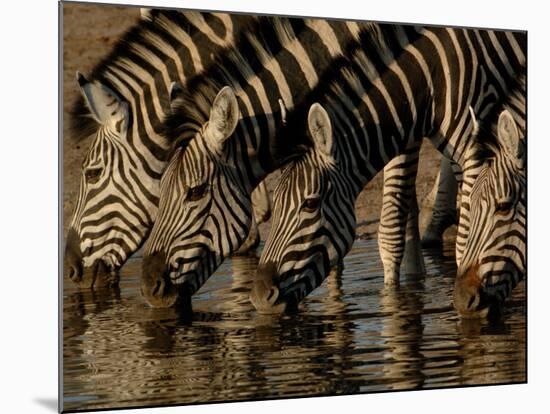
column 271, row 298
column 158, row 288
column 472, row 302
column 74, row 274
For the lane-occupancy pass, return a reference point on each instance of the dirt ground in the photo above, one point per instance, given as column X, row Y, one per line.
column 89, row 33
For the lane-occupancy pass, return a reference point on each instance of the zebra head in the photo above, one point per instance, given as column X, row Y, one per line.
column 494, row 256
column 313, row 223
column 109, row 221
column 205, row 212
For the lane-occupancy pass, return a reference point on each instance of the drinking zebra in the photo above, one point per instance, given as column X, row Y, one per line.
column 230, row 142
column 123, row 104
column 374, row 108
column 119, row 187
column 494, row 259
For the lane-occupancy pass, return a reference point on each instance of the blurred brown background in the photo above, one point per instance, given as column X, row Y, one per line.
column 89, row 33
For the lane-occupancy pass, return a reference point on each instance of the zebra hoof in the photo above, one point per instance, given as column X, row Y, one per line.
column 391, row 279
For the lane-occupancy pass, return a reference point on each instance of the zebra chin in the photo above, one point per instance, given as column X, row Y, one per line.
column 471, row 298
column 157, row 288
column 97, row 276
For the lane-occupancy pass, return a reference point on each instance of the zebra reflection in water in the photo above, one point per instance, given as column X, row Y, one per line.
column 220, row 355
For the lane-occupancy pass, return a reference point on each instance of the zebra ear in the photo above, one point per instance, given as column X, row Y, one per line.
column 145, row 13
column 105, row 106
column 224, row 117
column 508, row 137
column 320, row 129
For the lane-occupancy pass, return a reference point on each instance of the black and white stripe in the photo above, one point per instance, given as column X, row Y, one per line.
column 494, row 258
column 408, row 83
column 232, row 141
column 125, row 100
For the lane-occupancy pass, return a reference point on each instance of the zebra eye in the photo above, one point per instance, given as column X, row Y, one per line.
column 196, row 193
column 311, row 204
column 504, row 207
column 92, row 175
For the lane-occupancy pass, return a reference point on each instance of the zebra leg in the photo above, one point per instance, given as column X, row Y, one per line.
column 399, row 191
column 251, row 242
column 443, row 211
column 261, row 203
column 413, row 260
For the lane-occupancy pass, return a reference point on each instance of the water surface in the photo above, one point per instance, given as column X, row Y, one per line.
column 351, row 335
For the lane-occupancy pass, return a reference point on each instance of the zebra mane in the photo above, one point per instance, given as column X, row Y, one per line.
column 233, row 65
column 373, row 40
column 157, row 24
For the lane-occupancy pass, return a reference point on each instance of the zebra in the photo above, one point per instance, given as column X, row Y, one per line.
column 443, row 198
column 118, row 202
column 123, row 104
column 494, row 259
column 380, row 104
column 227, row 122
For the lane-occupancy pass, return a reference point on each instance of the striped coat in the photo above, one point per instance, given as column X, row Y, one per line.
column 405, row 83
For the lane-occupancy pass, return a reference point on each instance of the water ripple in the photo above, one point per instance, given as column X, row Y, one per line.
column 351, row 335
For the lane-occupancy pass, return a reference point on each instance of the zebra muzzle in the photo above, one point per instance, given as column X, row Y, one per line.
column 265, row 294
column 156, row 286
column 97, row 276
column 470, row 297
